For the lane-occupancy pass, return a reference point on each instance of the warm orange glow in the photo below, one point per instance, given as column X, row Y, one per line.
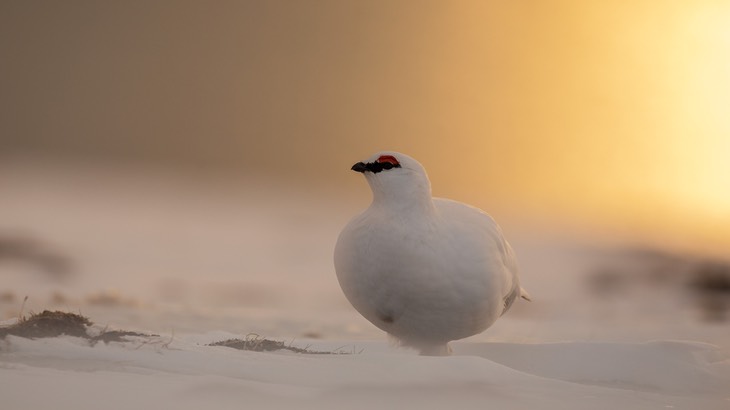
column 607, row 114
column 705, row 106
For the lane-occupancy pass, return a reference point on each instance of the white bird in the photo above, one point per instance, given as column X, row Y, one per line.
column 425, row 270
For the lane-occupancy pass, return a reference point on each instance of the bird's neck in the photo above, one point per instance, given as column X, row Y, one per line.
column 405, row 200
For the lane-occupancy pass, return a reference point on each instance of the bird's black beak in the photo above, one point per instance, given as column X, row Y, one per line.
column 359, row 167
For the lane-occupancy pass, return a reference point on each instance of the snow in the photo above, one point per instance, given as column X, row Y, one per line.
column 67, row 373
column 199, row 263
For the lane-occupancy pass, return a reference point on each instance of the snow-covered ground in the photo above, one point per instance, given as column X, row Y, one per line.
column 67, row 373
column 199, row 262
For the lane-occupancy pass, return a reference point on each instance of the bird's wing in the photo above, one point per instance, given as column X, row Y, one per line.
column 509, row 299
column 475, row 217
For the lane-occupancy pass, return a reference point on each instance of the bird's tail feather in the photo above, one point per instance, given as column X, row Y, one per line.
column 525, row 295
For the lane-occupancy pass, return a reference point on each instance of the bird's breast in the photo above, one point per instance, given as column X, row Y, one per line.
column 380, row 259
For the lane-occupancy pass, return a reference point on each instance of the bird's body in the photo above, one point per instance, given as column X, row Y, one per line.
column 425, row 270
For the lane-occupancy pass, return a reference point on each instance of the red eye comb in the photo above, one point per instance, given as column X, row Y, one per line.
column 388, row 158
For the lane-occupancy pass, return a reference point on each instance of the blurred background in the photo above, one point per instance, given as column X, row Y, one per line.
column 185, row 165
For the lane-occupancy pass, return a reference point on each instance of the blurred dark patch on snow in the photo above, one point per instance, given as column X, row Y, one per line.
column 700, row 283
column 606, row 282
column 110, row 298
column 59, row 298
column 711, row 287
column 27, row 250
column 7, row 296
column 245, row 294
column 224, row 294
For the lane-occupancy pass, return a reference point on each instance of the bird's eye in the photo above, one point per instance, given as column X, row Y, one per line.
column 388, row 159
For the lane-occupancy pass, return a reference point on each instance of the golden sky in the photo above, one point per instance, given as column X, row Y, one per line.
column 611, row 112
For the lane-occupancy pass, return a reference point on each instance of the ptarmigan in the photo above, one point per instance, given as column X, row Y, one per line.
column 425, row 270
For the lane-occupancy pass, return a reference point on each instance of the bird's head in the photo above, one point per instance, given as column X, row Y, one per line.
column 395, row 177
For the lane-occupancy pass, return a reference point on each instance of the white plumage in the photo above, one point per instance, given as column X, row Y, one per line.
column 425, row 270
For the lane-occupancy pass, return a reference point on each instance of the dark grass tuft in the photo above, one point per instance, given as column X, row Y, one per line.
column 48, row 324
column 57, row 323
column 256, row 343
column 118, row 336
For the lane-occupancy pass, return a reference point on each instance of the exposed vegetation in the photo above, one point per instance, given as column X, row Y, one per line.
column 56, row 323
column 256, row 343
